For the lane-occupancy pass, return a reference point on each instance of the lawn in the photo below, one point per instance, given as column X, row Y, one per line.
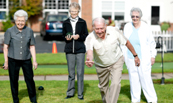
column 55, row 92
column 62, row 69
column 59, row 58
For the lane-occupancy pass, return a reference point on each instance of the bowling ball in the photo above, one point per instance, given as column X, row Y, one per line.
column 40, row 88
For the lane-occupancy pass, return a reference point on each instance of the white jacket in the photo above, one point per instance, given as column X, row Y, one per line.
column 146, row 39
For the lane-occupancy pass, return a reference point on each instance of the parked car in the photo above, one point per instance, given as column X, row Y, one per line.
column 52, row 25
column 1, row 44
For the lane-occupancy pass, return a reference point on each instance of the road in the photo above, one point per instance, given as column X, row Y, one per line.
column 46, row 46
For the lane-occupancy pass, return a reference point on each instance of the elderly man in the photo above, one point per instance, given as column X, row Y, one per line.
column 104, row 42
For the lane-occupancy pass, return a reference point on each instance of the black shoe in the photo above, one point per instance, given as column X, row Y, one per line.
column 68, row 97
column 81, row 98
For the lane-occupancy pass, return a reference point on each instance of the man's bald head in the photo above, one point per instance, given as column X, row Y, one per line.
column 99, row 20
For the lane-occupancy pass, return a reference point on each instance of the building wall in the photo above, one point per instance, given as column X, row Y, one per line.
column 166, row 7
column 35, row 23
column 0, row 26
column 87, row 13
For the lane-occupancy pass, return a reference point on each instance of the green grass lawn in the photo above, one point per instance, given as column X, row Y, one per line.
column 59, row 58
column 62, row 69
column 55, row 92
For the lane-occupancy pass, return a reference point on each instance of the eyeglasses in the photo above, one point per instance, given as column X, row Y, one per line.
column 134, row 16
column 74, row 11
column 22, row 21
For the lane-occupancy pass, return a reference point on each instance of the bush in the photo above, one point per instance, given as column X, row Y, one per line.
column 6, row 24
column 165, row 26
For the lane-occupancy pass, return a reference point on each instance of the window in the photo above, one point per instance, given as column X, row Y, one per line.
column 3, row 9
column 50, row 4
column 2, row 14
column 55, row 7
column 119, row 16
column 113, row 9
column 106, row 15
column 63, row 4
column 155, row 15
column 54, row 4
column 3, row 4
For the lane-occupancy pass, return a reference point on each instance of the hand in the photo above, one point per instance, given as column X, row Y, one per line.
column 152, row 61
column 89, row 63
column 137, row 61
column 68, row 37
column 5, row 66
column 35, row 65
column 75, row 37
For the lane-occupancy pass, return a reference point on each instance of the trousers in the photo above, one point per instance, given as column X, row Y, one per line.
column 75, row 60
column 13, row 68
column 114, row 73
column 140, row 78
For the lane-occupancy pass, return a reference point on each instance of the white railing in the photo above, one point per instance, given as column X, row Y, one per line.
column 167, row 40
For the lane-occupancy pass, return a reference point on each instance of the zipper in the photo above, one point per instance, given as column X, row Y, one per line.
column 73, row 34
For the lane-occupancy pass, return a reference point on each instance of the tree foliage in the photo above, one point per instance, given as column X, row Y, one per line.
column 6, row 24
column 32, row 7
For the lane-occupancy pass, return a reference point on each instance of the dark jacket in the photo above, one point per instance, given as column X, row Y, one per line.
column 81, row 30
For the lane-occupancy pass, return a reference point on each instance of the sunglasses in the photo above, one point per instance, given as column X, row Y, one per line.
column 135, row 16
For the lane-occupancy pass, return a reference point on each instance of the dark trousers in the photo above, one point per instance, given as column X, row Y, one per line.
column 14, row 67
column 78, row 61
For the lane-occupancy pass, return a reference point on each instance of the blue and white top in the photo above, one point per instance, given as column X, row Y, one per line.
column 134, row 40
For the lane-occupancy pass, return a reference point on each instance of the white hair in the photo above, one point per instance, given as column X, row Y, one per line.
column 74, row 5
column 21, row 13
column 99, row 19
column 137, row 10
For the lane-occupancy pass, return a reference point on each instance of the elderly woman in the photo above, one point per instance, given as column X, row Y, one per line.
column 74, row 33
column 18, row 47
column 140, row 36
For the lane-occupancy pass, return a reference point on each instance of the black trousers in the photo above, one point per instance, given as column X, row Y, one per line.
column 14, row 67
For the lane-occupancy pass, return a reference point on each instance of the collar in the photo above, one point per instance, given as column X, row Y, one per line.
column 68, row 20
column 74, row 20
column 16, row 30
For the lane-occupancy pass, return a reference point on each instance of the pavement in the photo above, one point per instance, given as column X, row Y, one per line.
column 87, row 77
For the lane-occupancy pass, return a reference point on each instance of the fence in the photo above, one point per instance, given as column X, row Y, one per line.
column 167, row 40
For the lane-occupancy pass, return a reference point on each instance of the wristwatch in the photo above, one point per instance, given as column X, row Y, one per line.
column 135, row 55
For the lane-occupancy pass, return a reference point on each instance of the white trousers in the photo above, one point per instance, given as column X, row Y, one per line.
column 140, row 77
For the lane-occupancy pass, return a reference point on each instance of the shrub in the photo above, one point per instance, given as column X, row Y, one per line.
column 6, row 24
column 165, row 26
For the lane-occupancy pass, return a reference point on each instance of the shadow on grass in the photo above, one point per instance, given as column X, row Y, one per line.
column 39, row 92
column 86, row 85
column 24, row 93
column 165, row 81
column 95, row 101
column 125, row 90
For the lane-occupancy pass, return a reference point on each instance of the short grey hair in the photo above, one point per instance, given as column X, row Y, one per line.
column 99, row 19
column 136, row 10
column 74, row 5
column 21, row 13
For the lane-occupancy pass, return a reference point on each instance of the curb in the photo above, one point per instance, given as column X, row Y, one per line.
column 86, row 77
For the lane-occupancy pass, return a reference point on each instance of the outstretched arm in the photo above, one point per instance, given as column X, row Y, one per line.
column 130, row 47
column 89, row 58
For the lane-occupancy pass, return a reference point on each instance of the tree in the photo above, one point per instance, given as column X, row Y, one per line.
column 32, row 7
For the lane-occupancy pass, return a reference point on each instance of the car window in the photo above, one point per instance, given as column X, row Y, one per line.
column 52, row 18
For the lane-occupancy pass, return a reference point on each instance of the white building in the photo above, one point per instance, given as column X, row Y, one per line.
column 154, row 11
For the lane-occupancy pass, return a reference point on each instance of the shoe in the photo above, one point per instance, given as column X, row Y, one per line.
column 68, row 97
column 81, row 98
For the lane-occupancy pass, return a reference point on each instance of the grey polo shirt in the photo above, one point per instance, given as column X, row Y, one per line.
column 19, row 42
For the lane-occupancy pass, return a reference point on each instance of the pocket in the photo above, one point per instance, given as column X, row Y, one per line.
column 99, row 50
column 114, row 46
